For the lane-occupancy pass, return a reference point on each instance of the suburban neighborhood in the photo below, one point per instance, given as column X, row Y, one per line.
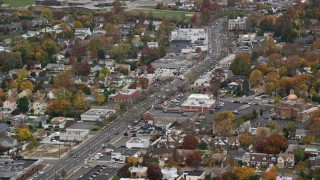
column 173, row 90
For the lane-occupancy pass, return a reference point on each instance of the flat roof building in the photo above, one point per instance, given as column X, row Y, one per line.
column 138, row 142
column 199, row 103
column 97, row 114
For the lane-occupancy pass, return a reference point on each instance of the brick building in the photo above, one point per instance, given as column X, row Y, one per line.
column 295, row 108
column 127, row 95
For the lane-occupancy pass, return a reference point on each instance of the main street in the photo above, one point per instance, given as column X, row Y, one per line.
column 116, row 129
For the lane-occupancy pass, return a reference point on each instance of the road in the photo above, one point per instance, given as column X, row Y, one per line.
column 115, row 130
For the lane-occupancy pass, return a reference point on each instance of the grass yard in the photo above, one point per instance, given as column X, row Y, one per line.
column 18, row 3
column 164, row 13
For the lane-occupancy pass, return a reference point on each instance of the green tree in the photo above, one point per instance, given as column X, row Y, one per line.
column 254, row 113
column 241, row 64
column 203, row 145
column 105, row 70
column 23, row 104
column 299, row 155
column 46, row 13
column 100, row 99
column 261, row 112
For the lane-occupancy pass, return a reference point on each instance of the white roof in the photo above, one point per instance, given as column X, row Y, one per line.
column 199, row 96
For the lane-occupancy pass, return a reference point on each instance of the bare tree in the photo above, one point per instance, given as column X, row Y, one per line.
column 215, row 82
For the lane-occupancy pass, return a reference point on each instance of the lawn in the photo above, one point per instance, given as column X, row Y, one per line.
column 164, row 13
column 18, row 3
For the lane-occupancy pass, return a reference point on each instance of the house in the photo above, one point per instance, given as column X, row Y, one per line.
column 12, row 92
column 39, row 107
column 162, row 153
column 218, row 158
column 138, row 172
column 301, row 133
column 152, row 44
column 282, row 177
column 238, row 156
column 193, row 175
column 257, row 159
column 169, row 173
column 58, row 122
column 25, row 92
column 3, row 128
column 10, row 103
column 125, row 95
column 122, row 67
column 285, row 160
column 305, row 70
column 82, row 33
column 8, row 142
column 40, row 120
column 51, row 95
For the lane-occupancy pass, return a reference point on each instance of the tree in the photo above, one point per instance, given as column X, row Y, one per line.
column 203, row 145
column 193, row 159
column 24, row 134
column 105, row 70
column 46, row 13
column 154, row 172
column 144, row 82
column 254, row 113
column 58, row 107
column 316, row 173
column 217, row 77
column 100, row 99
column 132, row 161
column 245, row 140
column 198, row 50
column 79, row 102
column 244, row 172
column 273, row 144
column 23, row 104
column 64, row 80
column 271, row 174
column 241, row 64
column 190, row 142
column 77, row 24
column 255, row 78
column 223, row 123
column 229, row 175
column 292, row 64
column 275, row 60
column 81, row 68
column 96, row 44
column 299, row 155
column 26, row 84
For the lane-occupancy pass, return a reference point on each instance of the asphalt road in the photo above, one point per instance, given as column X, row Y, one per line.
column 92, row 146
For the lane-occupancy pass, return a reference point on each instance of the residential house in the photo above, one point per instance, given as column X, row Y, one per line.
column 305, row 70
column 169, row 173
column 25, row 92
column 257, row 159
column 39, row 107
column 3, row 128
column 51, row 95
column 282, row 177
column 193, row 175
column 40, row 120
column 120, row 67
column 285, row 160
column 138, row 172
column 12, row 92
column 162, row 153
column 301, row 133
column 152, row 44
column 8, row 142
column 126, row 95
column 58, row 122
column 218, row 158
column 10, row 103
column 82, row 33
column 238, row 156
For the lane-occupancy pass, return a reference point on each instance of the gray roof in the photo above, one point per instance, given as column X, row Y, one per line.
column 301, row 132
column 195, row 173
column 237, row 153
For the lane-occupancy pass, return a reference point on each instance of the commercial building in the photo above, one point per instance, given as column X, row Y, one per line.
column 193, row 34
column 74, row 135
column 138, row 142
column 226, row 61
column 125, row 95
column 237, row 24
column 19, row 168
column 198, row 103
column 97, row 114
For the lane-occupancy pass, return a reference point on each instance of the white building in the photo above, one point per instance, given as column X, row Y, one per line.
column 169, row 173
column 152, row 44
column 237, row 24
column 193, row 34
column 198, row 103
column 74, row 134
column 193, row 175
column 138, row 142
column 97, row 114
column 226, row 61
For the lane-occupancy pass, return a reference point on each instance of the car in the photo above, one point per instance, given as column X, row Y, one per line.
column 74, row 156
column 116, row 133
column 235, row 112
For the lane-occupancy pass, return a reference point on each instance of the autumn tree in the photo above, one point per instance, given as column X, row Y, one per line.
column 154, row 172
column 58, row 107
column 241, row 64
column 131, row 160
column 149, row 55
column 229, row 175
column 46, row 13
column 275, row 60
column 24, row 134
column 100, row 99
column 144, row 82
column 23, row 104
column 255, row 78
column 81, row 68
column 190, row 142
column 193, row 159
column 293, row 63
column 271, row 174
column 245, row 140
column 244, row 172
column 273, row 144
column 223, row 123
column 64, row 80
column 299, row 155
column 95, row 45
column 78, row 101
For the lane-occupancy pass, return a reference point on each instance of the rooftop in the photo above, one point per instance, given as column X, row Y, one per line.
column 99, row 112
